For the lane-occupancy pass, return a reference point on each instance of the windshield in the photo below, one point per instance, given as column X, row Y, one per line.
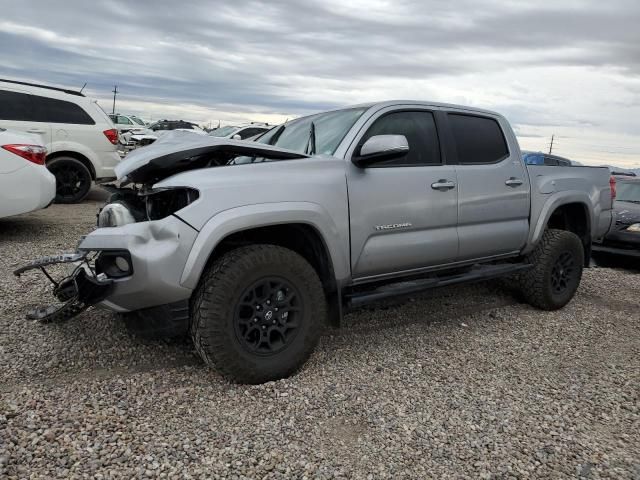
column 223, row 131
column 628, row 192
column 330, row 129
column 138, row 121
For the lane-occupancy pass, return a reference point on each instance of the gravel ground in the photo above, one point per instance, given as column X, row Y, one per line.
column 463, row 383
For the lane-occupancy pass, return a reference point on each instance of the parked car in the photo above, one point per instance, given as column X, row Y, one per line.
column 240, row 132
column 139, row 121
column 127, row 123
column 624, row 237
column 539, row 158
column 25, row 182
column 323, row 214
column 79, row 137
column 176, row 125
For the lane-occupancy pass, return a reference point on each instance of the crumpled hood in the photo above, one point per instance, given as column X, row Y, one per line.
column 179, row 150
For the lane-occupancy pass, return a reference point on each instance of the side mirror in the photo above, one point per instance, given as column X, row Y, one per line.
column 236, row 137
column 379, row 148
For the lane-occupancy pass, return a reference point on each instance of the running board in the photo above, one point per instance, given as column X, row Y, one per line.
column 476, row 274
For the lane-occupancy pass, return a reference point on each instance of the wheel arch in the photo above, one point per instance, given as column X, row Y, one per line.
column 570, row 212
column 303, row 239
column 78, row 156
column 299, row 227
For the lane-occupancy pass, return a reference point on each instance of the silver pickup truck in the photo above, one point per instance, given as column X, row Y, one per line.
column 253, row 247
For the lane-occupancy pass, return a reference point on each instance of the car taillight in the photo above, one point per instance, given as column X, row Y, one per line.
column 612, row 186
column 112, row 135
column 34, row 153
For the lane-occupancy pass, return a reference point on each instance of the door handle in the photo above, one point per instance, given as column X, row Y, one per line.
column 443, row 185
column 36, row 130
column 513, row 182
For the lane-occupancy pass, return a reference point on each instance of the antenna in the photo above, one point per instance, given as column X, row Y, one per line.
column 115, row 92
column 551, row 144
column 85, row 84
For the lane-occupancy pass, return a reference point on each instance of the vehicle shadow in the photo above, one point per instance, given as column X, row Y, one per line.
column 605, row 260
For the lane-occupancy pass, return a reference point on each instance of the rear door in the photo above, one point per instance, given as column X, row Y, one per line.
column 18, row 112
column 399, row 222
column 493, row 186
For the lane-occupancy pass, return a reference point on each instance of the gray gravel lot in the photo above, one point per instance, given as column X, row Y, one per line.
column 456, row 383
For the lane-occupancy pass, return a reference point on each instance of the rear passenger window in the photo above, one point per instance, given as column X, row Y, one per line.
column 52, row 110
column 33, row 108
column 420, row 130
column 16, row 106
column 477, row 139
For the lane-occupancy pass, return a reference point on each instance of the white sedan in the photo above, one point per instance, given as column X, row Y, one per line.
column 25, row 182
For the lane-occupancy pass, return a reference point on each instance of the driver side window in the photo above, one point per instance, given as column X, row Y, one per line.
column 419, row 127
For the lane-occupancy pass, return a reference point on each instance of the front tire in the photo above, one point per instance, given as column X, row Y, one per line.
column 258, row 313
column 557, row 261
column 73, row 179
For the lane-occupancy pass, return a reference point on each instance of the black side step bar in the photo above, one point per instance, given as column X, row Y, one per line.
column 476, row 274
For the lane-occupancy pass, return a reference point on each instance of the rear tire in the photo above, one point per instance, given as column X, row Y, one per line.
column 557, row 260
column 73, row 179
column 258, row 313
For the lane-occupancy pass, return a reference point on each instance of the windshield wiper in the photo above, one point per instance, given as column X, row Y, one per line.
column 276, row 135
column 630, row 201
column 311, row 144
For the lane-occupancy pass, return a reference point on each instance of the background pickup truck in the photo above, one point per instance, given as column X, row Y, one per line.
column 254, row 246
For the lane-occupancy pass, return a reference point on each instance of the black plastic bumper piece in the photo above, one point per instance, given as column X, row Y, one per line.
column 78, row 292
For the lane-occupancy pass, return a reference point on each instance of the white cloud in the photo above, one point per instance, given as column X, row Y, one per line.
column 566, row 68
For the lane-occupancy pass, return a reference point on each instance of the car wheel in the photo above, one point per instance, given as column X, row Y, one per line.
column 258, row 313
column 73, row 179
column 557, row 262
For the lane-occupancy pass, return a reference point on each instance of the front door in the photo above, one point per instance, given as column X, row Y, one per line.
column 403, row 212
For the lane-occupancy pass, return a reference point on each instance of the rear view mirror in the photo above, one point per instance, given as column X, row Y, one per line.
column 236, row 137
column 379, row 148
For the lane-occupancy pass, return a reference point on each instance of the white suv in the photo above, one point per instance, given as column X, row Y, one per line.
column 80, row 138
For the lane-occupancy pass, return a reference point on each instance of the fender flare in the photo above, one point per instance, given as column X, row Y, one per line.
column 248, row 217
column 551, row 204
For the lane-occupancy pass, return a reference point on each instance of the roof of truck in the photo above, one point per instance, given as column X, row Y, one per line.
column 392, row 103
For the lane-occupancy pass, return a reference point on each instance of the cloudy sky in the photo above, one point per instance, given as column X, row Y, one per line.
column 569, row 68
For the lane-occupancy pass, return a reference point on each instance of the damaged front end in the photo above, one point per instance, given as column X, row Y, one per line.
column 83, row 287
column 135, row 258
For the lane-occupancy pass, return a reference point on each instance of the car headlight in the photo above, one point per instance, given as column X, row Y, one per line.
column 153, row 204
column 634, row 228
column 115, row 215
column 162, row 202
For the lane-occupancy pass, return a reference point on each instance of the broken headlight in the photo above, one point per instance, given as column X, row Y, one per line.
column 115, row 214
column 161, row 203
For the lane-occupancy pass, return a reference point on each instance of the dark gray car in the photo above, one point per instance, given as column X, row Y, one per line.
column 624, row 236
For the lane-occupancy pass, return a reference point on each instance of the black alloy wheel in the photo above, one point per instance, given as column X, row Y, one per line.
column 73, row 179
column 563, row 272
column 267, row 316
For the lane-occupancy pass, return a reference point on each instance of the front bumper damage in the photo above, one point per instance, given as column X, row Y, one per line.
column 156, row 252
column 76, row 292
